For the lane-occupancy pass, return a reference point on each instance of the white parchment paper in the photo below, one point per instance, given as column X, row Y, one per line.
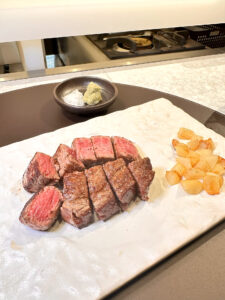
column 68, row 263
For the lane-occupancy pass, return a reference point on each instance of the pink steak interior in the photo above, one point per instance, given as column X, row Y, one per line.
column 71, row 152
column 126, row 146
column 41, row 207
column 46, row 165
column 84, row 148
column 103, row 145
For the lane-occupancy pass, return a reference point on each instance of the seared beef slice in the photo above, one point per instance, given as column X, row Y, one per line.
column 121, row 181
column 42, row 210
column 102, row 197
column 124, row 149
column 142, row 171
column 76, row 208
column 84, row 151
column 103, row 148
column 65, row 160
column 40, row 172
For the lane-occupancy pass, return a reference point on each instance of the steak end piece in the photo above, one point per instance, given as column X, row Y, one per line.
column 121, row 181
column 77, row 212
column 76, row 209
column 84, row 151
column 125, row 149
column 41, row 171
column 102, row 197
column 42, row 210
column 142, row 171
column 66, row 161
column 103, row 148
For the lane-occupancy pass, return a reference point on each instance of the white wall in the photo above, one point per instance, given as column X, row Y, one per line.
column 27, row 20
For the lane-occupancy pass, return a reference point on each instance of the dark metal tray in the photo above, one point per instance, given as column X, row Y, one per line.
column 194, row 272
column 32, row 111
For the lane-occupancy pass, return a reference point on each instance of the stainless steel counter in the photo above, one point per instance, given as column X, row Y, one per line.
column 104, row 64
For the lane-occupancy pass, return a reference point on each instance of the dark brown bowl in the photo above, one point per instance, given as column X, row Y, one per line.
column 109, row 93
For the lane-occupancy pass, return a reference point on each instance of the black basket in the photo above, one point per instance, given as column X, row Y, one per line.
column 212, row 36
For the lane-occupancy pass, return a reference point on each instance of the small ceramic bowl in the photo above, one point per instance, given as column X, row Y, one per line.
column 109, row 93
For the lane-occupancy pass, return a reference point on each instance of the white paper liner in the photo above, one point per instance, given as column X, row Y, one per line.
column 68, row 263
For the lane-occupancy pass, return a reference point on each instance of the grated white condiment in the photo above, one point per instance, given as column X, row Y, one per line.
column 74, row 98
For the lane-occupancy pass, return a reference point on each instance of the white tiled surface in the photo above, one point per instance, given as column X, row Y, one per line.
column 199, row 79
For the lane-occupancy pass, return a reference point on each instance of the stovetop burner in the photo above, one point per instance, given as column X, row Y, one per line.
column 140, row 43
column 128, row 43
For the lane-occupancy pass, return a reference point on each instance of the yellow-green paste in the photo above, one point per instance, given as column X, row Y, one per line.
column 92, row 95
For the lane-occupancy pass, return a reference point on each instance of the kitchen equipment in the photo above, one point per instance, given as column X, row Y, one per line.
column 146, row 42
column 212, row 36
column 116, row 49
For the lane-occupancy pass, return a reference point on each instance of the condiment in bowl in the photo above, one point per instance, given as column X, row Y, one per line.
column 96, row 93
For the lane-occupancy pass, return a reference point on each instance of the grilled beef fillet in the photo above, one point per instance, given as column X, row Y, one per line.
column 84, row 151
column 142, row 171
column 41, row 171
column 125, row 149
column 42, row 210
column 65, row 160
column 103, row 148
column 102, row 197
column 76, row 208
column 121, row 181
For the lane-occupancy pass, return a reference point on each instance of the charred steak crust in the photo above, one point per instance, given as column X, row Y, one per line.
column 75, row 186
column 34, row 178
column 76, row 208
column 84, row 151
column 125, row 149
column 102, row 197
column 65, row 160
column 42, row 210
column 142, row 171
column 103, row 148
column 76, row 212
column 116, row 172
column 121, row 181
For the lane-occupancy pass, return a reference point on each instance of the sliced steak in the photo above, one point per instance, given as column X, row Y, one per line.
column 41, row 171
column 42, row 210
column 66, row 161
column 121, row 181
column 102, row 197
column 142, row 171
column 103, row 148
column 76, row 208
column 125, row 149
column 84, row 151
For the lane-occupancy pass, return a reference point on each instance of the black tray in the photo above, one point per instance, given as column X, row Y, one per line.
column 32, row 111
column 194, row 272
